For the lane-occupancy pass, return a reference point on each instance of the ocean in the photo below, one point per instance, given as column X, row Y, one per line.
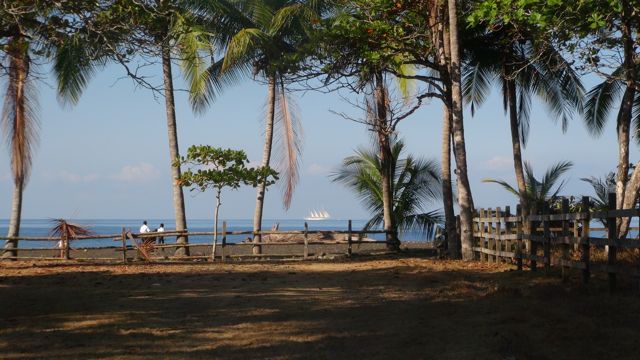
column 42, row 227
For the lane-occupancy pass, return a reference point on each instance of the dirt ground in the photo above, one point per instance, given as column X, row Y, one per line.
column 399, row 307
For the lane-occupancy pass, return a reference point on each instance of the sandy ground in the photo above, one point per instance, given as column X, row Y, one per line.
column 401, row 307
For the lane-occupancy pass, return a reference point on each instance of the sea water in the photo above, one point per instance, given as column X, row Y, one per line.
column 42, row 228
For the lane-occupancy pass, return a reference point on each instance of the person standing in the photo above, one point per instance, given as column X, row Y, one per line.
column 160, row 238
column 144, row 228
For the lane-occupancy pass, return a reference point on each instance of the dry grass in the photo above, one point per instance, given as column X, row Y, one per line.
column 387, row 308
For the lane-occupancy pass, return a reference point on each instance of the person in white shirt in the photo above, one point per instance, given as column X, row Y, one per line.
column 160, row 238
column 144, row 228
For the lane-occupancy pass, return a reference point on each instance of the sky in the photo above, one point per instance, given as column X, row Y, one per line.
column 107, row 157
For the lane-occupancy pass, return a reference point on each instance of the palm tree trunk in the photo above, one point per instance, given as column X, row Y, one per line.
column 19, row 142
column 443, row 43
column 384, row 144
column 174, row 152
column 453, row 241
column 516, row 146
column 14, row 223
column 465, row 200
column 266, row 157
column 625, row 114
column 630, row 199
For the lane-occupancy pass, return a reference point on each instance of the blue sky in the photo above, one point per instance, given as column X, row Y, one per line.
column 107, row 157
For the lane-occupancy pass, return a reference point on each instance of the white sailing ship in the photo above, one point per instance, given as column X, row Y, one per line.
column 318, row 215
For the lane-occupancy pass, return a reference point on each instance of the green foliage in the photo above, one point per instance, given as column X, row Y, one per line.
column 216, row 168
column 539, row 193
column 415, row 183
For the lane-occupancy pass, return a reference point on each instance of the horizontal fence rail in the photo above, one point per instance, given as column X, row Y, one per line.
column 144, row 246
column 563, row 239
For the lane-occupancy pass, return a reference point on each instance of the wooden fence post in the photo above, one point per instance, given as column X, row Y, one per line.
column 124, row 246
column 498, row 241
column 491, row 240
column 483, row 256
column 584, row 240
column 519, row 251
column 224, row 240
column 612, row 239
column 533, row 244
column 565, row 246
column 306, row 240
column 507, row 230
column 349, row 239
column 547, row 238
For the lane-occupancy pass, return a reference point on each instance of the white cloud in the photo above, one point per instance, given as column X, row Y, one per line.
column 498, row 163
column 318, row 169
column 142, row 172
column 71, row 177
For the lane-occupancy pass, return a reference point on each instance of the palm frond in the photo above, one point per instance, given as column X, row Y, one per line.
column 599, row 104
column 74, row 64
column 552, row 176
column 636, row 119
column 243, row 46
column 193, row 44
column 217, row 80
column 524, row 109
column 502, row 183
column 476, row 84
column 424, row 224
column 63, row 229
column 288, row 142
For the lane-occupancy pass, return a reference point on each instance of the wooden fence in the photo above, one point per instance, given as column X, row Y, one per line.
column 144, row 246
column 563, row 239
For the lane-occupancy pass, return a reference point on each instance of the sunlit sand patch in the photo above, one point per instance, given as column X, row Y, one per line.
column 160, row 332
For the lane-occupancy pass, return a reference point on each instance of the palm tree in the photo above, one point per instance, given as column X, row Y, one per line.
column 538, row 193
column 521, row 70
column 602, row 187
column 264, row 36
column 415, row 183
column 465, row 199
column 19, row 123
column 163, row 29
column 598, row 109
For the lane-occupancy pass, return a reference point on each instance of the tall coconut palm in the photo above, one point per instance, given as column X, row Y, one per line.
column 264, row 36
column 465, row 199
column 415, row 184
column 521, row 70
column 157, row 29
column 538, row 193
column 600, row 104
column 19, row 123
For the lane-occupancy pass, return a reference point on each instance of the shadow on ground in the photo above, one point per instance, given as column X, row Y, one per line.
column 402, row 308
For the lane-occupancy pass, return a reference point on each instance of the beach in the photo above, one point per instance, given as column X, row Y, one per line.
column 382, row 307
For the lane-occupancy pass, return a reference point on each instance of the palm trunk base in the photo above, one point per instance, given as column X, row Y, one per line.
column 10, row 250
column 393, row 242
column 182, row 250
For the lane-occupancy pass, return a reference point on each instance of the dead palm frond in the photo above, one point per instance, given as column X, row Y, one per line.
column 64, row 229
column 288, row 143
column 19, row 120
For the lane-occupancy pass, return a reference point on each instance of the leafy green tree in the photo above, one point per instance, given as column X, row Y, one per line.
column 538, row 193
column 216, row 169
column 415, row 184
